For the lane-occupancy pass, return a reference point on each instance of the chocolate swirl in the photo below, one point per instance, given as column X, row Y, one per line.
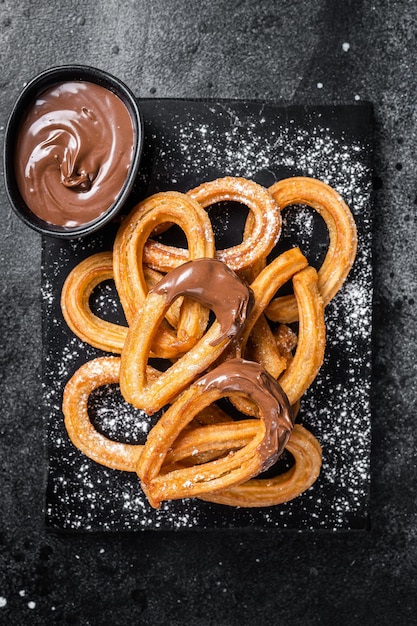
column 73, row 153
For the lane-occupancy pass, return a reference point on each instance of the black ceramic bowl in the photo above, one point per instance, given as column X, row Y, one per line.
column 26, row 99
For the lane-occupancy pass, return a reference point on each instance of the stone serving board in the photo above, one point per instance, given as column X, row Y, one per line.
column 186, row 143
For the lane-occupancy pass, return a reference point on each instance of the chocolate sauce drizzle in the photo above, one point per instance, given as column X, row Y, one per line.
column 249, row 379
column 213, row 284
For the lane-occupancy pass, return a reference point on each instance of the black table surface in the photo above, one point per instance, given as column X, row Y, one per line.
column 304, row 52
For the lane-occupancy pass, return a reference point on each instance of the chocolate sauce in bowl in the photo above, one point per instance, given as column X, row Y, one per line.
column 73, row 153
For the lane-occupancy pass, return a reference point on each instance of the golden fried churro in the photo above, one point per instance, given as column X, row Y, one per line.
column 75, row 303
column 304, row 366
column 274, row 426
column 258, row 240
column 311, row 343
column 342, row 237
column 76, row 292
column 266, row 492
column 90, row 376
column 203, row 443
column 207, row 281
column 264, row 287
column 265, row 218
column 162, row 208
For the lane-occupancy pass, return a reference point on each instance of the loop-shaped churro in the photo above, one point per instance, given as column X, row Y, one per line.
column 266, row 285
column 207, row 281
column 75, row 307
column 258, row 241
column 162, row 208
column 75, row 303
column 274, row 426
column 267, row 492
column 311, row 343
column 265, row 218
column 94, row 444
column 342, row 238
column 90, row 376
column 256, row 334
column 300, row 371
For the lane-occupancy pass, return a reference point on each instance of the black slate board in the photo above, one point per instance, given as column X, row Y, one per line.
column 186, row 143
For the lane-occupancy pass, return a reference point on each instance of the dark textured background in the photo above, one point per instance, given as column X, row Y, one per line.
column 288, row 51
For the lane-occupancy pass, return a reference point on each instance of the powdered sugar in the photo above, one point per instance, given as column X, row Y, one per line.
column 116, row 418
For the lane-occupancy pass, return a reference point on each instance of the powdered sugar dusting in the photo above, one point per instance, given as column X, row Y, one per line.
column 190, row 143
column 116, row 418
column 309, row 151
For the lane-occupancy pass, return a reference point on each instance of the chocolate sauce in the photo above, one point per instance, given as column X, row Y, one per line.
column 73, row 152
column 252, row 381
column 216, row 286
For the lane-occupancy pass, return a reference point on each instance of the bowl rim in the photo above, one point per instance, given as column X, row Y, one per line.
column 39, row 83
